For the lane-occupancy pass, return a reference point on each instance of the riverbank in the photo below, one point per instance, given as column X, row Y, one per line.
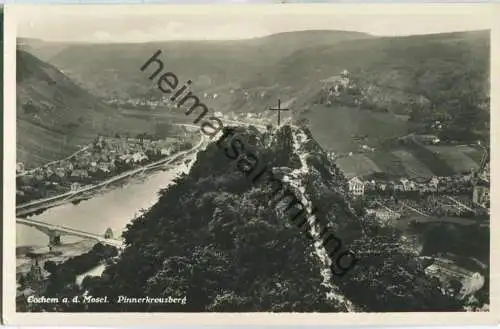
column 111, row 203
column 104, row 158
column 38, row 206
column 112, row 207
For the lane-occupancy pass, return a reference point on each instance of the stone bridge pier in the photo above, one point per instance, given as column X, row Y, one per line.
column 54, row 238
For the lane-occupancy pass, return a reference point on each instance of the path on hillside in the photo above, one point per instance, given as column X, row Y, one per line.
column 294, row 180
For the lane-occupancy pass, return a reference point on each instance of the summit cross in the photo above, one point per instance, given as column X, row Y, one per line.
column 279, row 109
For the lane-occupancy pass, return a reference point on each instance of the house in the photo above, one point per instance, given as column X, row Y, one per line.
column 408, row 185
column 384, row 215
column 80, row 173
column 49, row 172
column 427, row 139
column 445, row 271
column 481, row 193
column 34, row 275
column 19, row 167
column 356, row 187
column 39, row 175
column 434, row 182
column 471, row 284
column 367, row 148
column 371, row 184
column 125, row 157
column 139, row 156
column 60, row 172
column 448, row 268
column 104, row 167
column 437, row 125
column 75, row 187
column 412, row 186
column 485, row 173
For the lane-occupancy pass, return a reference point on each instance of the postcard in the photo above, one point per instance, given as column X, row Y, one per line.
column 249, row 164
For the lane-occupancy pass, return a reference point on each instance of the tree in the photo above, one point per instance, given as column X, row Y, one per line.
column 388, row 279
column 359, row 207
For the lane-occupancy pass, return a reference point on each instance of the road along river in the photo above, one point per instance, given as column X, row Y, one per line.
column 113, row 209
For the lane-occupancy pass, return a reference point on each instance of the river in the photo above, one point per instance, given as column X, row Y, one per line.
column 113, row 209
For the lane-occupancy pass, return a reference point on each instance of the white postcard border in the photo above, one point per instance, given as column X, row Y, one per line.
column 11, row 317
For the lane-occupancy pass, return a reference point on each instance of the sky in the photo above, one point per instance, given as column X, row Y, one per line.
column 134, row 23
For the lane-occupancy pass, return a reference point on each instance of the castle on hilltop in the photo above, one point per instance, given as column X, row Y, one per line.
column 340, row 88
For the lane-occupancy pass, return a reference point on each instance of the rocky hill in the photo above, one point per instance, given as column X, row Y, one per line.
column 227, row 240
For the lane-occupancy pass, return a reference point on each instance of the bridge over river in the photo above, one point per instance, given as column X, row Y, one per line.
column 54, row 232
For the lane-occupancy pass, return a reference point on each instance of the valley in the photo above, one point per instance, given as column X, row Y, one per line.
column 386, row 138
column 397, row 88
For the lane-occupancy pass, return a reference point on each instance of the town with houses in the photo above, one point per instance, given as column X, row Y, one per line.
column 462, row 199
column 463, row 195
column 439, row 196
column 259, row 118
column 103, row 159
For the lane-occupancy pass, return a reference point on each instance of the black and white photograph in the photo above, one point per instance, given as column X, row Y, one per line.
column 235, row 159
